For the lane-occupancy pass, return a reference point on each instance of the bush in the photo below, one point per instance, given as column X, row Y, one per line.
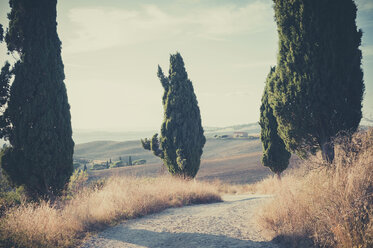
column 139, row 161
column 99, row 167
column 118, row 164
column 9, row 196
column 77, row 181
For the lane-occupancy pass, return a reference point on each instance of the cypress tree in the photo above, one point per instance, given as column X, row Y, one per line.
column 182, row 139
column 1, row 33
column 129, row 160
column 38, row 122
column 275, row 156
column 5, row 76
column 319, row 87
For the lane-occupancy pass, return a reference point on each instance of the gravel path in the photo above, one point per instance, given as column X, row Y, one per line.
column 226, row 224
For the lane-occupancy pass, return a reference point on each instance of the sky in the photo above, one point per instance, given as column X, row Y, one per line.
column 111, row 50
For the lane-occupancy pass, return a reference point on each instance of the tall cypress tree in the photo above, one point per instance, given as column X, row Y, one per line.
column 38, row 115
column 275, row 156
column 182, row 139
column 319, row 89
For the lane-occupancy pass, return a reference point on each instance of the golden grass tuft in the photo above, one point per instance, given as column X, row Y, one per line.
column 64, row 224
column 328, row 205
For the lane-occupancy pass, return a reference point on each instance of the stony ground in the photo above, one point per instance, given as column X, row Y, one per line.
column 227, row 224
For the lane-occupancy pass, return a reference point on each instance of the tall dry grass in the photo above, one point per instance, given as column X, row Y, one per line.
column 325, row 205
column 65, row 223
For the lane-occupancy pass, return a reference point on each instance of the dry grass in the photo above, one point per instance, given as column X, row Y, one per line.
column 64, row 224
column 328, row 205
column 232, row 189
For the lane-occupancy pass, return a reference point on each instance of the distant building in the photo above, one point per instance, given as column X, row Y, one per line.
column 240, row 135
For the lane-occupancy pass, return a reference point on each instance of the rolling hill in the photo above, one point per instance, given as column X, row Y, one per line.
column 229, row 160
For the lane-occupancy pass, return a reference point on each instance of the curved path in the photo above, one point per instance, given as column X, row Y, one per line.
column 226, row 224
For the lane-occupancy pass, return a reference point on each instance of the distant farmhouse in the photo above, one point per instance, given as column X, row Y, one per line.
column 240, row 135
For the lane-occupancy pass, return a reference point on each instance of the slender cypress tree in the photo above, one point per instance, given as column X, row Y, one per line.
column 275, row 156
column 38, row 113
column 1, row 33
column 319, row 87
column 182, row 139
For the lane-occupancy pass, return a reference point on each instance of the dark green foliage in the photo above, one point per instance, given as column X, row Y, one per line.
column 1, row 33
column 318, row 89
column 5, row 76
column 129, row 160
column 102, row 166
column 275, row 155
column 153, row 145
column 139, row 161
column 37, row 120
column 9, row 196
column 118, row 164
column 182, row 140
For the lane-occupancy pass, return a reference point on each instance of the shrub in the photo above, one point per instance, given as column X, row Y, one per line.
column 99, row 167
column 139, row 161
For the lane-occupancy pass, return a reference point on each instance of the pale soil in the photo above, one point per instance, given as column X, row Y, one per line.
column 227, row 224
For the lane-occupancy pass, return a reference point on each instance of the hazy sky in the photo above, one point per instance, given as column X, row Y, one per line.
column 111, row 50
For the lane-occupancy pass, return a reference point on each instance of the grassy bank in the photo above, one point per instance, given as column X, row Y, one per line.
column 66, row 223
column 325, row 205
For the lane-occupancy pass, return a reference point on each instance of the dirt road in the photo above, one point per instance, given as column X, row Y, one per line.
column 226, row 224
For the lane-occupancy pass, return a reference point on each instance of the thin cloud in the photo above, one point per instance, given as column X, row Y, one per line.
column 256, row 64
column 364, row 5
column 240, row 93
column 101, row 27
column 230, row 19
column 367, row 51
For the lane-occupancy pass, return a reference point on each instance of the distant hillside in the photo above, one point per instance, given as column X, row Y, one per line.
column 232, row 160
column 83, row 136
column 104, row 150
column 251, row 128
column 214, row 149
column 229, row 160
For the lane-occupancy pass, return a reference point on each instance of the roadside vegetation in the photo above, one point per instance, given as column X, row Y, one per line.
column 326, row 205
column 92, row 207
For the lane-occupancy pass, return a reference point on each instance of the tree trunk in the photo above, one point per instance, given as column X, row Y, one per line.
column 278, row 175
column 327, row 149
